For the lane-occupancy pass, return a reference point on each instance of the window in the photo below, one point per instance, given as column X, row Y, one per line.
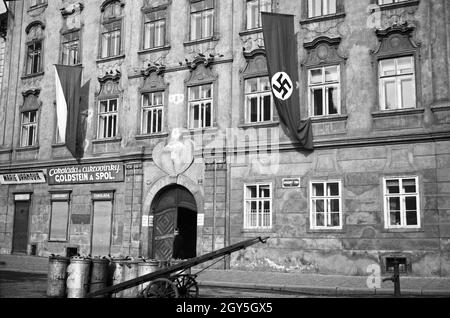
column 258, row 100
column 317, row 8
column 381, row 2
column 202, row 19
column 200, row 106
column 401, row 203
column 152, row 112
column 258, row 206
column 154, row 29
column 324, row 90
column 326, row 211
column 254, row 9
column 397, row 83
column 111, row 30
column 28, row 129
column 71, row 48
column 34, row 3
column 59, row 217
column 34, row 57
column 107, row 119
column 404, row 264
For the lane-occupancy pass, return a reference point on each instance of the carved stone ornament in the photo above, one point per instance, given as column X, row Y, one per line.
column 176, row 156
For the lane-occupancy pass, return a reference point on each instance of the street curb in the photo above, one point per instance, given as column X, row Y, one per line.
column 325, row 290
column 26, row 271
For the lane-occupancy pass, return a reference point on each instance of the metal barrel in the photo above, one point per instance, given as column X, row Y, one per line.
column 146, row 267
column 116, row 274
column 130, row 271
column 99, row 274
column 180, row 272
column 56, row 277
column 78, row 277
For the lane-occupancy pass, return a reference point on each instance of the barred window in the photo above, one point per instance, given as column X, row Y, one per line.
column 200, row 106
column 107, row 118
column 258, row 206
column 401, row 202
column 326, row 210
column 258, row 100
column 29, row 127
column 152, row 112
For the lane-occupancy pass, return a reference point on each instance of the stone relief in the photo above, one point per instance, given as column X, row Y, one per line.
column 72, row 16
column 252, row 42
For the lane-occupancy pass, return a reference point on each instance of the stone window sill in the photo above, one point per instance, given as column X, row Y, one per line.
column 323, row 18
column 106, row 140
column 259, row 125
column 325, row 231
column 29, row 148
column 397, row 5
column 321, row 119
column 39, row 6
column 32, row 75
column 256, row 231
column 441, row 107
column 7, row 150
column 152, row 136
column 111, row 58
column 251, row 31
column 397, row 112
column 200, row 41
column 59, row 145
column 403, row 230
column 203, row 130
column 154, row 49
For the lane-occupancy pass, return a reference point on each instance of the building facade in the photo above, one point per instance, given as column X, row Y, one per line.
column 184, row 151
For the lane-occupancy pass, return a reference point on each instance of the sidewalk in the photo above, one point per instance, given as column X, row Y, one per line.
column 315, row 284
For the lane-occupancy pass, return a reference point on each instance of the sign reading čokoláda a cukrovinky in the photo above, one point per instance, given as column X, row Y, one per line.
column 95, row 173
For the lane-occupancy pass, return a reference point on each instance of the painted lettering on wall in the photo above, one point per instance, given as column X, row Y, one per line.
column 22, row 177
column 97, row 173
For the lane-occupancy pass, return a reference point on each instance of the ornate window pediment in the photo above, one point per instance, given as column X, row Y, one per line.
column 256, row 62
column 395, row 40
column 109, row 86
column 35, row 31
column 323, row 50
column 153, row 78
column 31, row 100
column 201, row 71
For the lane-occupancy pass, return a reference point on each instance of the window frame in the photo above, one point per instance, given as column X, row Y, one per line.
column 322, row 6
column 79, row 49
column 107, row 114
column 201, row 102
column 152, row 108
column 40, row 56
column 258, row 199
column 246, row 12
column 398, row 80
column 402, row 196
column 324, row 87
column 213, row 9
column 258, row 94
column 37, row 3
column 107, row 21
column 326, row 198
column 145, row 22
column 23, row 125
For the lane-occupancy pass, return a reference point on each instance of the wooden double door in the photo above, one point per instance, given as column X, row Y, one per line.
column 174, row 224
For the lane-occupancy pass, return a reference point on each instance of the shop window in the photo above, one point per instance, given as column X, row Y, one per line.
column 258, row 206
column 326, row 208
column 401, row 202
column 60, row 204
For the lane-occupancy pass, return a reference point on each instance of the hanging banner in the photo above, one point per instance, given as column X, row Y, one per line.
column 95, row 173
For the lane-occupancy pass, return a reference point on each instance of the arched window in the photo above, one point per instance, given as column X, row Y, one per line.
column 34, row 48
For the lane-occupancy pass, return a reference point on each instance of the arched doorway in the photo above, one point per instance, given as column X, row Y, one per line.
column 174, row 224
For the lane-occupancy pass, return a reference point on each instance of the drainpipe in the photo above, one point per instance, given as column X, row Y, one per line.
column 214, row 207
column 132, row 201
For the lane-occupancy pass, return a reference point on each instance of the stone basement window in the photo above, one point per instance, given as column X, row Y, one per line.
column 404, row 264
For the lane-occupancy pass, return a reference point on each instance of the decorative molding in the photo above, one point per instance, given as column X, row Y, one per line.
column 108, row 2
column 394, row 39
column 34, row 24
column 323, row 50
column 155, row 5
column 109, row 85
column 252, row 54
column 200, row 59
column 71, row 9
column 158, row 68
column 153, row 78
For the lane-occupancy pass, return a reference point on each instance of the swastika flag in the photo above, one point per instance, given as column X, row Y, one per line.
column 282, row 62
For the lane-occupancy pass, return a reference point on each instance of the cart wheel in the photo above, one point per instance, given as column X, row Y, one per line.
column 186, row 285
column 161, row 288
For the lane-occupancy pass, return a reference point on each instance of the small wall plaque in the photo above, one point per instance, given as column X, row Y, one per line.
column 289, row 183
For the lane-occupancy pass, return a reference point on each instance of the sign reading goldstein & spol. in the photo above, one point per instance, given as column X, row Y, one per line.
column 95, row 173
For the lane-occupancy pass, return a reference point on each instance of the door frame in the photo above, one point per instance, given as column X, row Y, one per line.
column 30, row 206
column 93, row 199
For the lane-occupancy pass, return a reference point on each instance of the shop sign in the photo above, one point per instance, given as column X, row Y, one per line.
column 22, row 177
column 102, row 196
column 95, row 173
